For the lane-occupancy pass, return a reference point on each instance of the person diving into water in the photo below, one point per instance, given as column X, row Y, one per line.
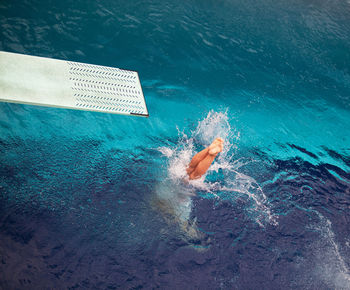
column 201, row 162
column 174, row 194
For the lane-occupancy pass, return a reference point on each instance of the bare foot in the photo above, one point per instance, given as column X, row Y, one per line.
column 216, row 147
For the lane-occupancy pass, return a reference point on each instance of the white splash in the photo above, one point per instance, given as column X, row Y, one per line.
column 331, row 266
column 176, row 190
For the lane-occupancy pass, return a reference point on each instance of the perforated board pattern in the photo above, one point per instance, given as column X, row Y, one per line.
column 57, row 83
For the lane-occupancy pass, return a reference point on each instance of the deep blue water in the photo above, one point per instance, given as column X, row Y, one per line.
column 92, row 200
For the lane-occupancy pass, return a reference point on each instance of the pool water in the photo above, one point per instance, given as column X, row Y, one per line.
column 93, row 200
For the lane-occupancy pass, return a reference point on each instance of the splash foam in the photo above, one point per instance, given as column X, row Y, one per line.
column 232, row 186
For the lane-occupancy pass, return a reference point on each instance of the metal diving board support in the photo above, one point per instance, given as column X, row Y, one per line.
column 65, row 84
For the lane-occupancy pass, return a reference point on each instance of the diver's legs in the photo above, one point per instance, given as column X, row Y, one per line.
column 202, row 160
column 203, row 166
column 196, row 159
column 212, row 149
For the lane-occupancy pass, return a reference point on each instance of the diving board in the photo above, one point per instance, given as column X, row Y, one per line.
column 65, row 84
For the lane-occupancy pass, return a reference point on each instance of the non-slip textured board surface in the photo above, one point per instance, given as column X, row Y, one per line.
column 65, row 84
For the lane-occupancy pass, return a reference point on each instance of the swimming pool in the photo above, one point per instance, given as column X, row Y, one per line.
column 92, row 200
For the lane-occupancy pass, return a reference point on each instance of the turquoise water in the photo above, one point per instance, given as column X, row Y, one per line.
column 91, row 200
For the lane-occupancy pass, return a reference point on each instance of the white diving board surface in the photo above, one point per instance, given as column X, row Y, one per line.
column 65, row 84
